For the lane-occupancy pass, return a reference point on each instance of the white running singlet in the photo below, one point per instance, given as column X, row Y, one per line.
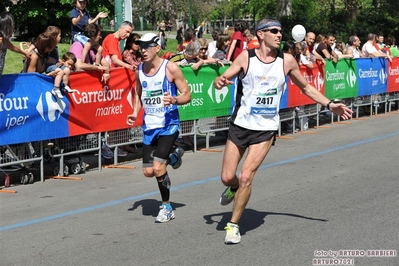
column 156, row 115
column 258, row 94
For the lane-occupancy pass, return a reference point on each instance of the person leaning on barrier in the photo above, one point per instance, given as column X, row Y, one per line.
column 353, row 47
column 158, row 83
column 369, row 50
column 255, row 118
column 189, row 57
column 93, row 32
column 111, row 48
column 204, row 56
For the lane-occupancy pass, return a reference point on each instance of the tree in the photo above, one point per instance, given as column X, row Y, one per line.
column 33, row 16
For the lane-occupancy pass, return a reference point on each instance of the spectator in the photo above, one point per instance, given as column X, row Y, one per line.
column 238, row 42
column 93, row 32
column 112, row 24
column 222, row 45
column 212, row 45
column 204, row 56
column 111, row 49
column 7, row 25
column 54, row 68
column 189, row 36
column 325, row 50
column 169, row 26
column 131, row 53
column 179, row 37
column 380, row 41
column 353, row 47
column 66, row 65
column 301, row 49
column 45, row 43
column 229, row 31
column 252, row 40
column 339, row 48
column 251, row 132
column 289, row 48
column 310, row 39
column 369, row 50
column 319, row 39
column 189, row 57
column 80, row 17
column 391, row 45
column 158, row 85
column 200, row 30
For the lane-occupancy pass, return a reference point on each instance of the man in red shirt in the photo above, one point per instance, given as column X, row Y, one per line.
column 111, row 48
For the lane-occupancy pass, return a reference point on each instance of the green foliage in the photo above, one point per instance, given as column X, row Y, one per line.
column 33, row 16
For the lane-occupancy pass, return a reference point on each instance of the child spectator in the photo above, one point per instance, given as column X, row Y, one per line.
column 6, row 31
column 53, row 67
column 131, row 53
column 65, row 66
column 222, row 45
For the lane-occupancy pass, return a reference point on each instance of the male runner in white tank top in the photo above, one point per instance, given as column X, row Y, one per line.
column 255, row 119
column 158, row 82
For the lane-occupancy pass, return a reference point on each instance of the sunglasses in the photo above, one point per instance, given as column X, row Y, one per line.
column 203, row 49
column 147, row 46
column 274, row 30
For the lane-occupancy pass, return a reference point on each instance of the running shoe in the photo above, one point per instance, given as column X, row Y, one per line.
column 176, row 157
column 227, row 196
column 164, row 215
column 232, row 234
column 106, row 152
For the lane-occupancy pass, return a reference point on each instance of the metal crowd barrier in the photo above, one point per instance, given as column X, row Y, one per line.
column 64, row 153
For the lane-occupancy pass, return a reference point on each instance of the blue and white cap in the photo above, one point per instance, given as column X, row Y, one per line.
column 150, row 38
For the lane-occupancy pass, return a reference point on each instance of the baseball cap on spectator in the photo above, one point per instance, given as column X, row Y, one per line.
column 83, row 1
column 150, row 38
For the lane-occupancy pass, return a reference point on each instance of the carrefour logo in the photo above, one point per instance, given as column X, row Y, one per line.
column 383, row 76
column 54, row 108
column 217, row 96
column 351, row 78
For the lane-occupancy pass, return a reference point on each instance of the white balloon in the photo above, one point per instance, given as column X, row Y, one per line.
column 298, row 32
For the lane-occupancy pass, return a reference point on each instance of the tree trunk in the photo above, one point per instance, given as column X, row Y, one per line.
column 284, row 8
column 351, row 6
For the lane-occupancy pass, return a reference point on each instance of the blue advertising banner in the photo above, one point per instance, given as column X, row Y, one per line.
column 372, row 75
column 28, row 110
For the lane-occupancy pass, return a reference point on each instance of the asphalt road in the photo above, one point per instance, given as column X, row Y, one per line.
column 336, row 190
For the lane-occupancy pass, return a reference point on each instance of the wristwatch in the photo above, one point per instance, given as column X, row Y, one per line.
column 176, row 102
column 328, row 105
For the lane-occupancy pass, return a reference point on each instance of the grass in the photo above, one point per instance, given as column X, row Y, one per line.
column 14, row 64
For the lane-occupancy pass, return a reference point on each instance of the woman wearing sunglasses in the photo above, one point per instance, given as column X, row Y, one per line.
column 203, row 54
column 261, row 76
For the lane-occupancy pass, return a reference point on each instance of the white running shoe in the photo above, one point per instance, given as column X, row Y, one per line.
column 164, row 215
column 232, row 234
column 57, row 93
